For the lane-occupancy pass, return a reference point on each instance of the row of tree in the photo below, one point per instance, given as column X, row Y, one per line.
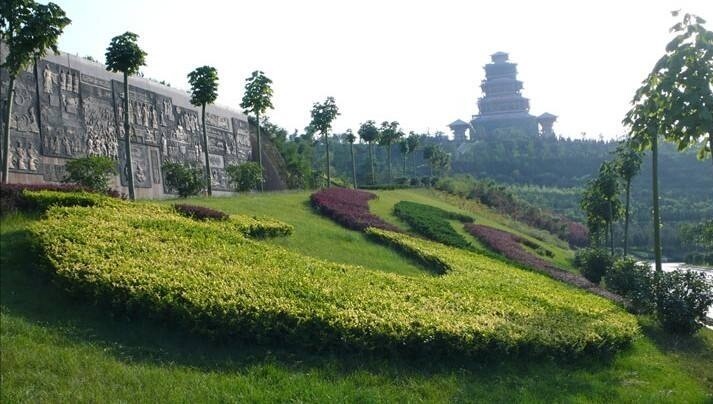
column 675, row 102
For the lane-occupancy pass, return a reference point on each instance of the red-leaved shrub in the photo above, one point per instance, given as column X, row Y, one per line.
column 348, row 207
column 199, row 212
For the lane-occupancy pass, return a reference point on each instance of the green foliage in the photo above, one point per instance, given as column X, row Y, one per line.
column 633, row 280
column 124, row 54
column 204, row 85
column 699, row 239
column 187, row 271
column 323, row 114
column 258, row 93
column 594, row 263
column 627, row 162
column 43, row 200
column 246, row 176
column 184, row 178
column 601, row 202
column 432, row 222
column 91, row 172
column 29, row 29
column 682, row 300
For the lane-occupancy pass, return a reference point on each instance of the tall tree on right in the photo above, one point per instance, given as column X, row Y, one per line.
column 204, row 91
column 258, row 99
column 29, row 29
column 413, row 141
column 389, row 133
column 369, row 133
column 351, row 138
column 628, row 165
column 674, row 101
column 124, row 55
column 322, row 116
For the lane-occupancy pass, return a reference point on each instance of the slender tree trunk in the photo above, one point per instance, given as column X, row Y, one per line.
column 326, row 144
column 611, row 228
column 371, row 162
column 205, row 152
column 37, row 91
column 388, row 150
column 626, row 217
column 657, row 217
column 127, row 139
column 354, row 180
column 259, row 152
column 6, row 131
column 404, row 173
column 413, row 157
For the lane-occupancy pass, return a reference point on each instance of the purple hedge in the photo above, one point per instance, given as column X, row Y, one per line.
column 348, row 207
column 199, row 212
column 510, row 246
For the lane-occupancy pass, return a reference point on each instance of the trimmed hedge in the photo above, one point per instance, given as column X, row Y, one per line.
column 199, row 212
column 348, row 207
column 509, row 245
column 432, row 222
column 209, row 278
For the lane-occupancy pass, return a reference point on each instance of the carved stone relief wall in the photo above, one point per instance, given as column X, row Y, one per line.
column 76, row 109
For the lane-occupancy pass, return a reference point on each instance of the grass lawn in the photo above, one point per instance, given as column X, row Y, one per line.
column 58, row 349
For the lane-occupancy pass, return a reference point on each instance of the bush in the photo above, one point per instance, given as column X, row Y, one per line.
column 634, row 281
column 91, row 173
column 12, row 197
column 246, row 176
column 432, row 222
column 209, row 278
column 186, row 179
column 43, row 200
column 348, row 207
column 682, row 300
column 199, row 212
column 593, row 263
column 414, row 182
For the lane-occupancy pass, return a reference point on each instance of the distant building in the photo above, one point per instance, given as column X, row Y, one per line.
column 502, row 108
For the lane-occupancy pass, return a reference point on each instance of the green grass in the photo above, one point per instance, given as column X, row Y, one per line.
column 58, row 349
column 314, row 235
column 383, row 207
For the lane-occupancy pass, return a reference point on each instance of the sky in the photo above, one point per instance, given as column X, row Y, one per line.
column 416, row 62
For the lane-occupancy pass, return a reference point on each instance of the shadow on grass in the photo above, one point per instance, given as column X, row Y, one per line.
column 30, row 294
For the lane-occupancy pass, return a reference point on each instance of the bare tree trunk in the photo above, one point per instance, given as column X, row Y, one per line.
column 209, row 183
column 626, row 217
column 259, row 153
column 611, row 228
column 371, row 162
column 351, row 147
column 6, row 132
column 388, row 150
column 326, row 144
column 127, row 138
column 657, row 217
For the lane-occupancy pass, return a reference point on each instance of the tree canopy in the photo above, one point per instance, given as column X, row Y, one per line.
column 124, row 54
column 258, row 93
column 204, row 85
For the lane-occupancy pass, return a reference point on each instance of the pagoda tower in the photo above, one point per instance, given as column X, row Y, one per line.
column 502, row 107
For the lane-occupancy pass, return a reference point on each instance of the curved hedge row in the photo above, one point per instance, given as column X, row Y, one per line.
column 212, row 279
column 432, row 222
column 348, row 207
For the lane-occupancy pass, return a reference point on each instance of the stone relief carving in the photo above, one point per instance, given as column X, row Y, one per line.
column 101, row 132
column 24, row 156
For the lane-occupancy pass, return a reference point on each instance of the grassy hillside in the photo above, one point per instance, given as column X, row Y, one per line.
column 56, row 348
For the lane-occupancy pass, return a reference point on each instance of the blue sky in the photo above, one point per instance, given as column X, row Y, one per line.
column 416, row 62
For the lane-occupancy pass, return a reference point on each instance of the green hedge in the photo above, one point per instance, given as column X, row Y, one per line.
column 210, row 278
column 43, row 200
column 432, row 222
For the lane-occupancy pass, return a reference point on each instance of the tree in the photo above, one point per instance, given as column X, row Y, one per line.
column 628, row 165
column 29, row 29
column 124, row 55
column 687, row 86
column 674, row 101
column 91, row 172
column 601, row 202
column 429, row 154
column 185, row 178
column 246, row 176
column 404, row 150
column 322, row 117
column 413, row 141
column 351, row 138
column 369, row 133
column 257, row 99
column 204, row 90
column 389, row 134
